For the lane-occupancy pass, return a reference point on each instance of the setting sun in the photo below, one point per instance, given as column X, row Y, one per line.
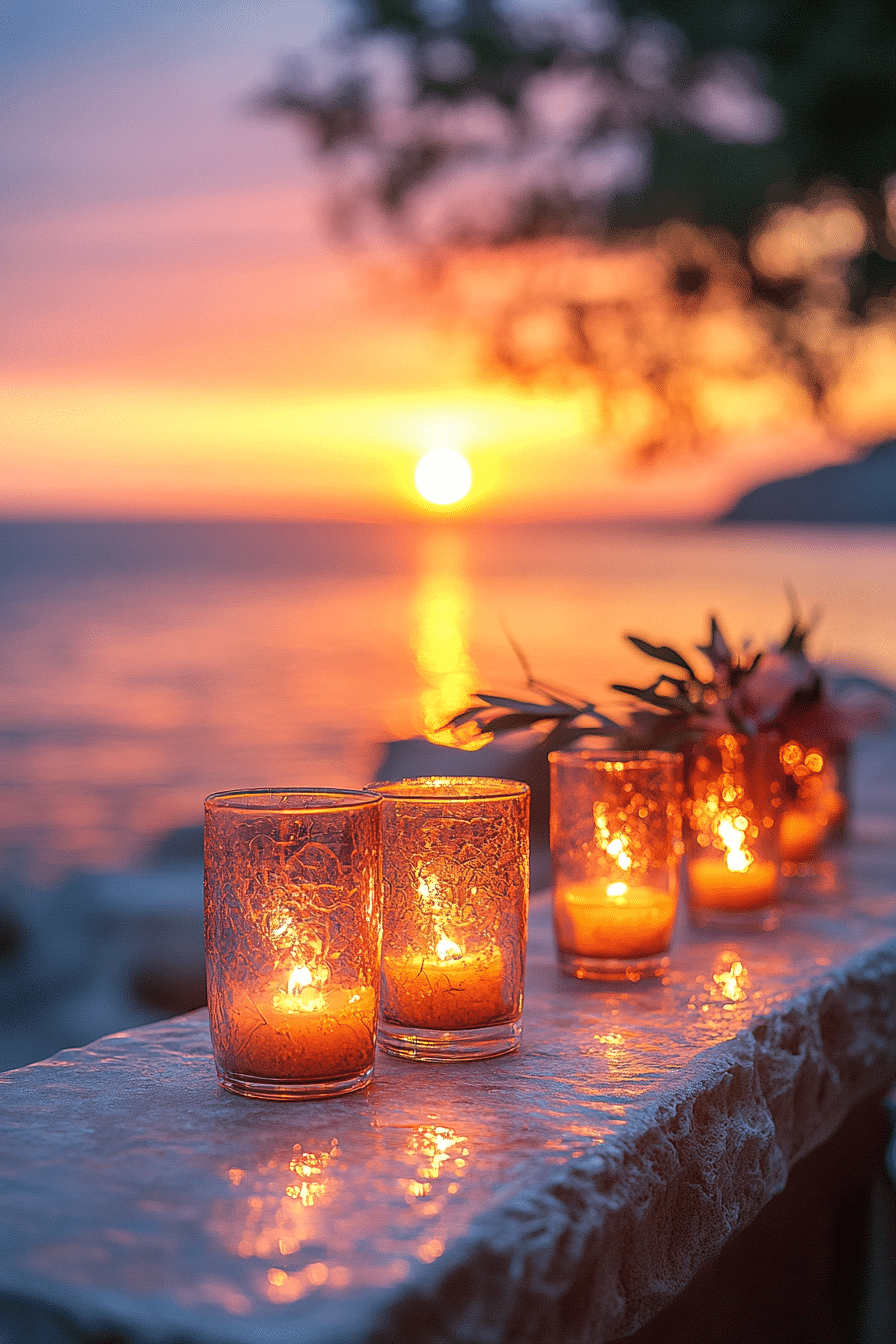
column 443, row 476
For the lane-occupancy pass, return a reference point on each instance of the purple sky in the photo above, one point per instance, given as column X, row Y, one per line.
column 106, row 100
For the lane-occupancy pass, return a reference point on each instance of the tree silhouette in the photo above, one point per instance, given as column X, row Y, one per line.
column 740, row 155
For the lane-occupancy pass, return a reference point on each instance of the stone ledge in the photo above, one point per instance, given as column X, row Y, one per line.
column 572, row 1190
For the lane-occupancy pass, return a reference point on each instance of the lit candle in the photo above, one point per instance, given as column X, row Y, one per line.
column 306, row 1030
column 613, row 919
column 455, row 873
column 801, row 835
column 715, row 886
column 733, row 800
column 447, row 988
column 293, row 927
column 818, row 806
column 615, row 821
column 731, row 877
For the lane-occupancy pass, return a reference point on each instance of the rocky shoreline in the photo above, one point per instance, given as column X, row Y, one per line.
column 860, row 492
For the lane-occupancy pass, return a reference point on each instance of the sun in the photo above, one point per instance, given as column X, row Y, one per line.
column 443, row 476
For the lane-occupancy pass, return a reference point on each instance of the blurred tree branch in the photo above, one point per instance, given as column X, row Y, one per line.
column 743, row 151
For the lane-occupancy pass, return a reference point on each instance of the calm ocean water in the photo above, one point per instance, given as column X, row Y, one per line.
column 146, row 665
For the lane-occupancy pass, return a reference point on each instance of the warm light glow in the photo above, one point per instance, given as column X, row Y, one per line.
column 441, row 642
column 732, row 981
column 446, row 949
column 616, row 844
column 615, row 889
column 443, row 476
column 731, row 830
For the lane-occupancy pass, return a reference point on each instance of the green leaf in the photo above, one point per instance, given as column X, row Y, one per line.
column 663, row 654
column 506, row 702
column 717, row 650
column 648, row 694
column 465, row 716
column 507, row 723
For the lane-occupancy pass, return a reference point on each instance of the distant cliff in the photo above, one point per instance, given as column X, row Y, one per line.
column 851, row 492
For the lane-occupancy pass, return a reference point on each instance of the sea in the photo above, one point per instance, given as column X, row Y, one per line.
column 148, row 664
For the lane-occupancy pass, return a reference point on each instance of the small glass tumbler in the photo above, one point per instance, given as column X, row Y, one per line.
column 615, row 839
column 455, row 911
column 732, row 809
column 815, row 805
column 293, row 929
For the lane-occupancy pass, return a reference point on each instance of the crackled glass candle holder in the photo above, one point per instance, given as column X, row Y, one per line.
column 732, row 809
column 455, row 907
column 615, row 836
column 293, row 928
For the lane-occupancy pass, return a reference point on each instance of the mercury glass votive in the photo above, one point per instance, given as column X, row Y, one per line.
column 455, row 909
column 615, row 834
column 732, row 809
column 293, row 928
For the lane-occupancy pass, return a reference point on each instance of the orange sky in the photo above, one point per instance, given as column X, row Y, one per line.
column 179, row 338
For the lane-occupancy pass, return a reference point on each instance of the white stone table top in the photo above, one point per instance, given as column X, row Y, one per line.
column 566, row 1192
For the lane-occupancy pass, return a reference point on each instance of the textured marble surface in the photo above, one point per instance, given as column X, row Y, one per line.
column 566, row 1193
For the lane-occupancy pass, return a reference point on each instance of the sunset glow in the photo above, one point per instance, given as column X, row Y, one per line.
column 190, row 341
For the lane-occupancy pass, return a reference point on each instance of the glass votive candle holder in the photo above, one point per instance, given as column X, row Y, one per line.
column 293, row 928
column 733, row 798
column 615, row 839
column 815, row 806
column 455, row 910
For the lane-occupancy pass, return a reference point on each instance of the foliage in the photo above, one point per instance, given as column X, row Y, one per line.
column 745, row 691
column 745, row 149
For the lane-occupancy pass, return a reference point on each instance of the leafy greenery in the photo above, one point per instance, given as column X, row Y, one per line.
column 678, row 708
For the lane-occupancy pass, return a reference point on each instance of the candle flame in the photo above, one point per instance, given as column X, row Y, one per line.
column 730, row 829
column 616, row 848
column 616, row 844
column 301, row 988
column 299, row 977
column 446, row 948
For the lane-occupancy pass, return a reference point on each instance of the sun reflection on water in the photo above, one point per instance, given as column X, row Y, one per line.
column 440, row 640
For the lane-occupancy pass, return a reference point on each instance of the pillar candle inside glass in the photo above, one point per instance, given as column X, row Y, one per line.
column 293, row 926
column 732, row 807
column 615, row 827
column 456, row 887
